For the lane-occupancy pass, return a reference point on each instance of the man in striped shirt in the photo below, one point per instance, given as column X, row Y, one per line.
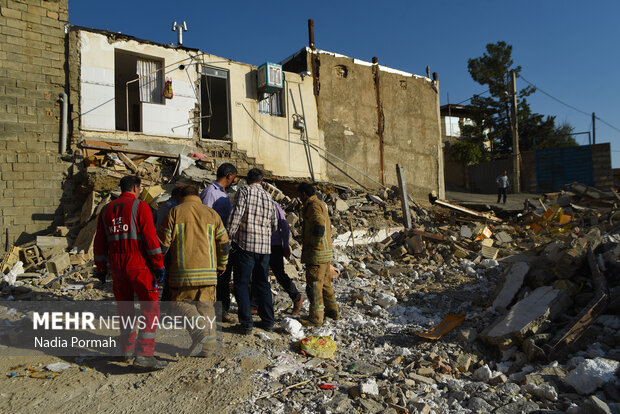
column 252, row 221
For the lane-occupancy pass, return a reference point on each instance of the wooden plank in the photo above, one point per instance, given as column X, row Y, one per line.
column 587, row 316
column 403, row 196
column 465, row 210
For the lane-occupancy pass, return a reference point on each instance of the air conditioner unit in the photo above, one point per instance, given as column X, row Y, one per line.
column 270, row 78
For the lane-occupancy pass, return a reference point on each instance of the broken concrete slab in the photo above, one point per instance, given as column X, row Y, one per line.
column 527, row 316
column 489, row 252
column 86, row 237
column 510, row 284
column 58, row 264
column 466, row 232
column 592, row 374
column 503, row 237
column 51, row 242
column 341, row 205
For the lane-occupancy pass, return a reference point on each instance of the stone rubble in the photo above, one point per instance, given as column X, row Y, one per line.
column 394, row 282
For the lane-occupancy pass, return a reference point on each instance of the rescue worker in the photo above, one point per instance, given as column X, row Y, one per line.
column 317, row 254
column 194, row 236
column 126, row 238
column 215, row 196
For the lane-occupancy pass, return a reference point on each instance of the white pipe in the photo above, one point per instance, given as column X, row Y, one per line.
column 63, row 122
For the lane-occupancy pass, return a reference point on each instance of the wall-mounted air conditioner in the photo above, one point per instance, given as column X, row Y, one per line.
column 270, row 78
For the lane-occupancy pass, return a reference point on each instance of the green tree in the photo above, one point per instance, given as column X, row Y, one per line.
column 490, row 136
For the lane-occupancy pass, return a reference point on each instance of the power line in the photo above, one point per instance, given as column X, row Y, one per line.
column 568, row 105
column 554, row 98
column 469, row 99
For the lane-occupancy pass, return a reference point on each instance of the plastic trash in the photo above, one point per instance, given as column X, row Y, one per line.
column 318, row 346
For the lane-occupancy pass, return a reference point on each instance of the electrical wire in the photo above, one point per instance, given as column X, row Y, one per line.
column 554, row 98
column 570, row 106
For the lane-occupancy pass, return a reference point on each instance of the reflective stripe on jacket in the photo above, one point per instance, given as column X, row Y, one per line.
column 197, row 242
column 317, row 235
column 126, row 236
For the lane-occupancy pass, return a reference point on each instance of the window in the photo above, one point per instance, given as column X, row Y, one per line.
column 215, row 103
column 271, row 104
column 130, row 94
column 151, row 80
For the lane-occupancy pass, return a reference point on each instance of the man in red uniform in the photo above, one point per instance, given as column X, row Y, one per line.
column 126, row 239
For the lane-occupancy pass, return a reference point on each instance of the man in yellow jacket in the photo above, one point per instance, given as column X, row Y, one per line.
column 317, row 254
column 195, row 237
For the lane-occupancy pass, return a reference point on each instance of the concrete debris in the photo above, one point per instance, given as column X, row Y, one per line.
column 517, row 281
column 592, row 374
column 527, row 316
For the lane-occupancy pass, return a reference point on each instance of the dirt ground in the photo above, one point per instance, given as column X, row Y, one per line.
column 213, row 384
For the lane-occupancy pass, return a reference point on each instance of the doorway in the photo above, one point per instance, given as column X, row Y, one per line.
column 215, row 103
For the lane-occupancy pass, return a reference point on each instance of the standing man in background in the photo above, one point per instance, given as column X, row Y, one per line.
column 317, row 254
column 252, row 221
column 126, row 239
column 215, row 196
column 197, row 242
column 502, row 186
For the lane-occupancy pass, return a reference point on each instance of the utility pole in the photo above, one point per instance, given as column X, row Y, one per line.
column 516, row 156
column 593, row 128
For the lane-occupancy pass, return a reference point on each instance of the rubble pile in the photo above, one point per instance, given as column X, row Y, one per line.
column 521, row 309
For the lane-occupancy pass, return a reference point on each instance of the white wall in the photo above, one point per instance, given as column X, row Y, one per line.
column 171, row 119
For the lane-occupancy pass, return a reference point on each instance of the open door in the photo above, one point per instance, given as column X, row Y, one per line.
column 215, row 103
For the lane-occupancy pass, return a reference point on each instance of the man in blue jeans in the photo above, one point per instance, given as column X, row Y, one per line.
column 251, row 223
column 502, row 186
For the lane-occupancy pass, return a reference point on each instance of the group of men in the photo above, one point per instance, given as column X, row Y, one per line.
column 197, row 243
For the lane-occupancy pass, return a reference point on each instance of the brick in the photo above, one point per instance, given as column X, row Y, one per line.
column 36, row 37
column 22, row 202
column 44, row 184
column 4, row 117
column 12, row 175
column 38, row 10
column 32, row 175
column 16, row 24
column 10, row 31
column 10, row 13
column 23, row 166
column 17, row 5
column 12, row 211
column 15, row 91
column 29, row 17
column 14, row 40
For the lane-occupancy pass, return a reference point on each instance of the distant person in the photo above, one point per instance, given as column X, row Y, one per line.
column 502, row 186
column 252, row 222
column 194, row 236
column 215, row 196
column 126, row 239
column 317, row 254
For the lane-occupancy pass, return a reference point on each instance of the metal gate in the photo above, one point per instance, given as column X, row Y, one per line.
column 557, row 167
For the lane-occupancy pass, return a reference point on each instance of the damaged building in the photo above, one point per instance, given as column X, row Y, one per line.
column 316, row 115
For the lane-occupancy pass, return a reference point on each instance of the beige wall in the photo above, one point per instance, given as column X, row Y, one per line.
column 348, row 120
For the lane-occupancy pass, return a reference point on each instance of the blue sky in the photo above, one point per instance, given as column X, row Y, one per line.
column 568, row 48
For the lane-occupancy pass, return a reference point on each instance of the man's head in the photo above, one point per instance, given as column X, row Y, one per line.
column 176, row 193
column 306, row 190
column 255, row 176
column 131, row 184
column 505, row 172
column 189, row 190
column 226, row 174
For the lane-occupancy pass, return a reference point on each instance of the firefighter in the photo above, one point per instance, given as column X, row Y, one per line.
column 126, row 239
column 317, row 254
column 194, row 237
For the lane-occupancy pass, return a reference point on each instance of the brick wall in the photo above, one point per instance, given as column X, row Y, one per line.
column 32, row 74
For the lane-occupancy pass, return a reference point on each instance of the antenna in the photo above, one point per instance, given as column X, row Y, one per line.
column 179, row 28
